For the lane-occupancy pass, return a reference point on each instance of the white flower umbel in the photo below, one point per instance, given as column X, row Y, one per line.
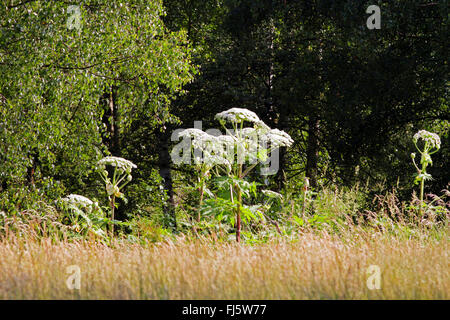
column 278, row 138
column 120, row 163
column 204, row 142
column 247, row 145
column 79, row 206
column 238, row 115
column 225, row 147
column 78, row 200
column 191, row 133
column 226, row 140
column 199, row 140
column 432, row 139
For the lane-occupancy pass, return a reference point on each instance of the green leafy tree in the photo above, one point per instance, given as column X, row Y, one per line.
column 76, row 77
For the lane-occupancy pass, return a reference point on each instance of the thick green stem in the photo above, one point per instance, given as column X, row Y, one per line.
column 201, row 200
column 113, row 198
column 238, row 209
column 238, row 215
column 422, row 186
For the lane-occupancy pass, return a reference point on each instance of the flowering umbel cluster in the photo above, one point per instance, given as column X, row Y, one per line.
column 231, row 157
column 122, row 170
column 238, row 115
column 78, row 200
column 121, row 163
column 85, row 215
column 432, row 139
column 249, row 144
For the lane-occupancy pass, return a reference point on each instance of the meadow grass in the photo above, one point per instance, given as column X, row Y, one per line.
column 313, row 266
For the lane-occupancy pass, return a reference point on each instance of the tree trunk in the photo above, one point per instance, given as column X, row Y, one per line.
column 4, row 185
column 31, row 170
column 272, row 107
column 166, row 174
column 281, row 176
column 115, row 129
column 111, row 120
column 312, row 151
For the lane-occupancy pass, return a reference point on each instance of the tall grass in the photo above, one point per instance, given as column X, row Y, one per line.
column 313, row 267
column 321, row 253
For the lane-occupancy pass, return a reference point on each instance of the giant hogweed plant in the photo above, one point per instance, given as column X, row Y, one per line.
column 431, row 144
column 120, row 178
column 200, row 143
column 231, row 157
column 85, row 216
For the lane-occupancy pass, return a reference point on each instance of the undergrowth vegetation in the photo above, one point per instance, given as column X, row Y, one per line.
column 339, row 212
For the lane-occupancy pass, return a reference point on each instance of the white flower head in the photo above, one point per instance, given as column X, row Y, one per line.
column 211, row 147
column 226, row 140
column 432, row 138
column 205, row 142
column 238, row 115
column 199, row 138
column 191, row 133
column 212, row 159
column 225, row 148
column 248, row 144
column 278, row 138
column 248, row 132
column 78, row 200
column 120, row 163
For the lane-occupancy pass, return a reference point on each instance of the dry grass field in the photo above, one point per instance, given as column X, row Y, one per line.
column 311, row 267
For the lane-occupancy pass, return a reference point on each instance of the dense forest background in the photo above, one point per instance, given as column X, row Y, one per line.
column 119, row 78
